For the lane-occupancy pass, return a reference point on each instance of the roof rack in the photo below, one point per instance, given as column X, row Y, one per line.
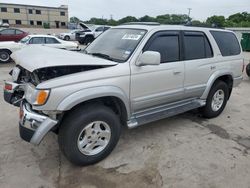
column 142, row 23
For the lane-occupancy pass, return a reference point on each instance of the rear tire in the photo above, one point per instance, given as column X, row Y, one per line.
column 248, row 70
column 79, row 136
column 67, row 38
column 216, row 100
column 5, row 56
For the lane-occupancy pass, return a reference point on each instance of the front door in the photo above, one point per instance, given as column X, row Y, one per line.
column 160, row 84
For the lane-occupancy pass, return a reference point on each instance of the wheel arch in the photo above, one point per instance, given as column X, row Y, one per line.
column 225, row 76
column 6, row 49
column 110, row 96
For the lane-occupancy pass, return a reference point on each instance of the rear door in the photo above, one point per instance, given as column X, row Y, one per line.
column 162, row 84
column 7, row 35
column 52, row 42
column 199, row 62
column 19, row 35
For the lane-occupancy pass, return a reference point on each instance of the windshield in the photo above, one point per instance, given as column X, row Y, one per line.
column 116, row 44
column 25, row 40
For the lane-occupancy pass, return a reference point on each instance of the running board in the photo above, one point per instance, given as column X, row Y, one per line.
column 165, row 111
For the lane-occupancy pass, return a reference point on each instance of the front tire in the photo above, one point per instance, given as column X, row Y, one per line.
column 248, row 70
column 89, row 134
column 216, row 100
column 5, row 56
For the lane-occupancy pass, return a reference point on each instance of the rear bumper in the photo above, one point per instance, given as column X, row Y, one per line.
column 33, row 127
column 237, row 81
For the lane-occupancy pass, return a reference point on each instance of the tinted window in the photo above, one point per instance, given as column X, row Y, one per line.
column 37, row 40
column 227, row 42
column 196, row 46
column 16, row 10
column 18, row 32
column 3, row 9
column 8, row 32
column 50, row 40
column 167, row 46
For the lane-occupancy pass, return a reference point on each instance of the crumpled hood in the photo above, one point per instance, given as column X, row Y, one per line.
column 33, row 58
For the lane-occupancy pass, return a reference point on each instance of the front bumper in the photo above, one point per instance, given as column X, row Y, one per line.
column 33, row 127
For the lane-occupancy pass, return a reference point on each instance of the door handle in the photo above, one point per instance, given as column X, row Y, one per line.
column 177, row 72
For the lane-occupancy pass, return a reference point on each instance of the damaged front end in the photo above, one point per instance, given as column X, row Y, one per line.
column 22, row 92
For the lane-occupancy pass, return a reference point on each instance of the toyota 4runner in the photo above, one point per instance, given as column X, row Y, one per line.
column 129, row 76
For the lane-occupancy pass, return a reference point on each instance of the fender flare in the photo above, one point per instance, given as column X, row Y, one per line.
column 213, row 78
column 93, row 93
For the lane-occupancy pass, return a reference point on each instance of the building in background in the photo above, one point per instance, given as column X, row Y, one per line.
column 34, row 16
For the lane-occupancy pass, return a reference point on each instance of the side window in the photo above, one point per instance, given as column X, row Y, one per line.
column 227, row 43
column 106, row 28
column 18, row 32
column 8, row 32
column 99, row 29
column 50, row 40
column 167, row 45
column 196, row 46
column 37, row 40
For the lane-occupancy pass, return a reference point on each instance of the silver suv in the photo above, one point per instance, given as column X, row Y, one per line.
column 131, row 75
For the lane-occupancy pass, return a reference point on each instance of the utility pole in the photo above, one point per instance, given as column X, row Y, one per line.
column 189, row 12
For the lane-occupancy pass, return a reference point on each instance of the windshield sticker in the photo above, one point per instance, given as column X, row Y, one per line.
column 131, row 37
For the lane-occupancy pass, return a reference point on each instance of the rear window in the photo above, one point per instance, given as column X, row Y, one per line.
column 227, row 42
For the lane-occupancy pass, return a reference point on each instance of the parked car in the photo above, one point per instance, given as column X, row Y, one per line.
column 129, row 76
column 248, row 70
column 12, row 34
column 89, row 34
column 69, row 36
column 7, row 48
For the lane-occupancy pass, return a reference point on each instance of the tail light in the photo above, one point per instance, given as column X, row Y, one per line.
column 8, row 87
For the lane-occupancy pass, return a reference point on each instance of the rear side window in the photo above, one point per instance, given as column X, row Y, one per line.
column 196, row 46
column 167, row 46
column 50, row 40
column 227, row 42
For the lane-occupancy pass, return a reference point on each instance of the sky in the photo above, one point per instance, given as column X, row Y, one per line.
column 201, row 9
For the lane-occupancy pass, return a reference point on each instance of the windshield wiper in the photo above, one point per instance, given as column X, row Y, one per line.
column 105, row 56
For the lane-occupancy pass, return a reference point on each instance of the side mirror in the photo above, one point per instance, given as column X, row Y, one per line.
column 149, row 58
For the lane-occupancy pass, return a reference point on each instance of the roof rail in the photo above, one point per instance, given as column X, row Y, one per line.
column 141, row 23
column 204, row 26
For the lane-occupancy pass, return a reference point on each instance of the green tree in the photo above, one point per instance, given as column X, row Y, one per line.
column 147, row 19
column 164, row 19
column 74, row 20
column 127, row 19
column 218, row 21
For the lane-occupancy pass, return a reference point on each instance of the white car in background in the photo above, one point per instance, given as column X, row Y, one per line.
column 7, row 48
column 71, row 35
